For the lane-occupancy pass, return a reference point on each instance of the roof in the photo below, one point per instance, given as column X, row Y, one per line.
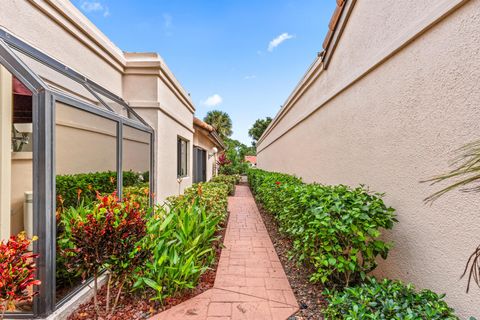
column 199, row 123
column 251, row 159
column 211, row 130
column 333, row 23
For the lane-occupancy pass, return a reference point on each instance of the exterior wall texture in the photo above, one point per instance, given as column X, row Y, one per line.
column 61, row 31
column 391, row 120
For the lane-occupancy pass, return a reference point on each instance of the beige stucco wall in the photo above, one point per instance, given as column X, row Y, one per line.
column 142, row 79
column 154, row 93
column 58, row 29
column 391, row 124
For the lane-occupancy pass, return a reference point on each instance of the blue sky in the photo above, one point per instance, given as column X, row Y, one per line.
column 240, row 56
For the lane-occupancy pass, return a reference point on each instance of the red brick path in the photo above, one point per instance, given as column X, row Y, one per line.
column 250, row 282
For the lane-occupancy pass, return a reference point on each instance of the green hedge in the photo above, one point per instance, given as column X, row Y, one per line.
column 386, row 300
column 334, row 229
column 229, row 180
column 72, row 189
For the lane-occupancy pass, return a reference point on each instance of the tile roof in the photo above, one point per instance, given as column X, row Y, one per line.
column 251, row 159
column 334, row 22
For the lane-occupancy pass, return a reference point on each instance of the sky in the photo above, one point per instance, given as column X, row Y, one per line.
column 243, row 57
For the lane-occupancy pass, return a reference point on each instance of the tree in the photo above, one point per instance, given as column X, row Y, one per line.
column 258, row 129
column 221, row 122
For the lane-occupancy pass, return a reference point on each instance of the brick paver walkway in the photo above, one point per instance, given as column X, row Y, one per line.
column 250, row 282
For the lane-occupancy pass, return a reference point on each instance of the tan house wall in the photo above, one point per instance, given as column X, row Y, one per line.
column 61, row 31
column 400, row 94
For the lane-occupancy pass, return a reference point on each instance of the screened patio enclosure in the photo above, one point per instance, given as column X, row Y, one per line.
column 69, row 138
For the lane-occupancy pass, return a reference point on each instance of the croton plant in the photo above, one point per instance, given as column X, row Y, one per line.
column 17, row 271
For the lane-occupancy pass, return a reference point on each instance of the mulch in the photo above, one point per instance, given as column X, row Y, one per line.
column 309, row 295
column 134, row 306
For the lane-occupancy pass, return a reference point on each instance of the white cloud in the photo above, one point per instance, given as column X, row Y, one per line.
column 249, row 77
column 94, row 6
column 278, row 40
column 213, row 101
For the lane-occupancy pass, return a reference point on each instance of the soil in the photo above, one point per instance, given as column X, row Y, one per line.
column 135, row 306
column 309, row 295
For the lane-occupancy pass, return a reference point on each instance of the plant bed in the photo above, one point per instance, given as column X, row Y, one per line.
column 309, row 295
column 137, row 306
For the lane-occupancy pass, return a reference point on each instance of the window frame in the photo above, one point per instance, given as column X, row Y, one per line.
column 44, row 99
column 181, row 140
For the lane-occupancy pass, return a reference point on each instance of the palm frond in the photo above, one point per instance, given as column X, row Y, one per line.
column 466, row 172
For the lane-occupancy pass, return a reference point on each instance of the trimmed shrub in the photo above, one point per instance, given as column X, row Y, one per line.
column 335, row 229
column 230, row 181
column 211, row 195
column 387, row 300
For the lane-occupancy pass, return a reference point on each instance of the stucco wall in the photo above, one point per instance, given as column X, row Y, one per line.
column 40, row 24
column 393, row 126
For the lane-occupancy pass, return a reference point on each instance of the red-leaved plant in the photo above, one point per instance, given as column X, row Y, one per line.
column 17, row 271
column 223, row 160
column 107, row 237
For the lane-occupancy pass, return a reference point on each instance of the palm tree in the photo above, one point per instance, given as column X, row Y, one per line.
column 466, row 176
column 220, row 121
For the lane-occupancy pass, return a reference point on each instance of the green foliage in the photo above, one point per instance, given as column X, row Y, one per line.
column 180, row 238
column 180, row 242
column 73, row 189
column 220, row 121
column 387, row 300
column 211, row 195
column 258, row 128
column 335, row 229
column 105, row 236
column 139, row 193
column 235, row 154
column 229, row 180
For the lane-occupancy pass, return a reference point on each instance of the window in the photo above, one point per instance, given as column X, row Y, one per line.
column 182, row 156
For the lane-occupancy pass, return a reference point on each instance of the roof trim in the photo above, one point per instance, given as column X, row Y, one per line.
column 211, row 131
column 335, row 29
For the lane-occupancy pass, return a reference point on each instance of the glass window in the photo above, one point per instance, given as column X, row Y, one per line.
column 86, row 162
column 16, row 161
column 182, row 157
column 136, row 155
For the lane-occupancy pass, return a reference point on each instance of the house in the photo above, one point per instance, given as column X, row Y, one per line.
column 75, row 108
column 206, row 144
column 394, row 92
column 252, row 160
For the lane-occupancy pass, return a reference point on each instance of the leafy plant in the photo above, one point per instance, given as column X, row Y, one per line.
column 386, row 299
column 17, row 271
column 230, row 181
column 466, row 172
column 107, row 236
column 139, row 193
column 335, row 229
column 180, row 241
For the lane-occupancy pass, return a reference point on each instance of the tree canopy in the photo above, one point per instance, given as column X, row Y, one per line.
column 258, row 129
column 221, row 121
